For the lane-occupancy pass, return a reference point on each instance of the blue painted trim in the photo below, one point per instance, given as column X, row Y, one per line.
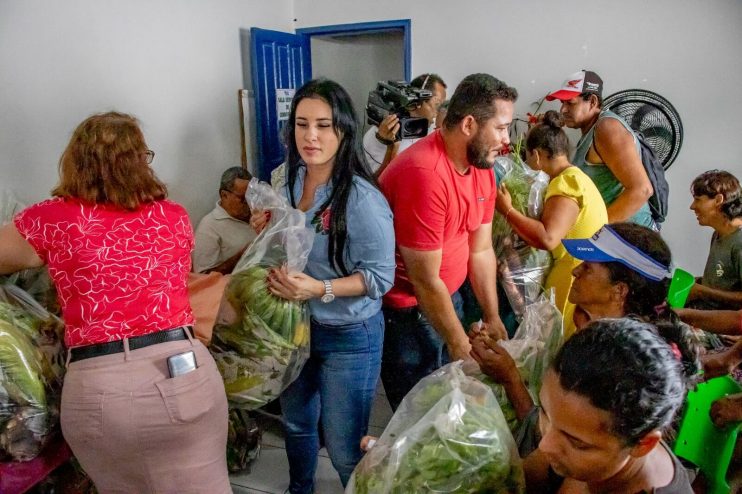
column 259, row 117
column 267, row 136
column 370, row 28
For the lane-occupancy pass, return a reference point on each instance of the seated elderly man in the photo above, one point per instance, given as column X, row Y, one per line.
column 224, row 234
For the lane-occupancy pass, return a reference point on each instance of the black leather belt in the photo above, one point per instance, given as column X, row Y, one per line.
column 98, row 349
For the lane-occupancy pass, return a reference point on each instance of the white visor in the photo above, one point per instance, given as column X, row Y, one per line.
column 607, row 246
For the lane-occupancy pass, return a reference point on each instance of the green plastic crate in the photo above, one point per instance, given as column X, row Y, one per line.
column 700, row 441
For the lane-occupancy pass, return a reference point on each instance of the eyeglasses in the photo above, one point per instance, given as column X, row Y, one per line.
column 149, row 156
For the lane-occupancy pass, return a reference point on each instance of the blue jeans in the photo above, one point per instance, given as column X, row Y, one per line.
column 337, row 386
column 412, row 349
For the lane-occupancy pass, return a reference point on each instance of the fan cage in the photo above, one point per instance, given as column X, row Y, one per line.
column 652, row 115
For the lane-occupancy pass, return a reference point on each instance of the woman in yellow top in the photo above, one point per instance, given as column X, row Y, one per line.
column 573, row 207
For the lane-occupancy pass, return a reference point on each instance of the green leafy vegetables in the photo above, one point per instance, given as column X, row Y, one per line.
column 448, row 436
column 521, row 269
column 31, row 373
column 265, row 350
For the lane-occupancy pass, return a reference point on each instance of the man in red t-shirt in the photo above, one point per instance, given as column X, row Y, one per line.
column 442, row 193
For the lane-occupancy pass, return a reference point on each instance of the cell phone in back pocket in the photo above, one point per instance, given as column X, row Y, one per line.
column 181, row 363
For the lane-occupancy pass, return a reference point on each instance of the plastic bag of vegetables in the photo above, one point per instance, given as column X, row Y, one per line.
column 35, row 281
column 534, row 345
column 448, row 435
column 536, row 342
column 31, row 372
column 521, row 269
column 265, row 349
column 9, row 206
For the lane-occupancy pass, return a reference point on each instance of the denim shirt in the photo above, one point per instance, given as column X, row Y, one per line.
column 369, row 250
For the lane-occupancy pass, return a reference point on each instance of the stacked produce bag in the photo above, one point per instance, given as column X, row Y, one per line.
column 31, row 372
column 521, row 269
column 533, row 347
column 9, row 206
column 35, row 281
column 243, row 440
column 31, row 355
column 447, row 436
column 264, row 351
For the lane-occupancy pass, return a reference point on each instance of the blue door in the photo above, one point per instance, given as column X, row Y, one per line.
column 279, row 61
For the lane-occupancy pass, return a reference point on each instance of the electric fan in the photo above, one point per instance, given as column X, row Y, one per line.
column 654, row 117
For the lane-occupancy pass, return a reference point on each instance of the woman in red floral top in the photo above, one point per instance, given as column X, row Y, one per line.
column 119, row 254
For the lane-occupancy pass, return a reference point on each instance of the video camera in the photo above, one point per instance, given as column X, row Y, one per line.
column 397, row 97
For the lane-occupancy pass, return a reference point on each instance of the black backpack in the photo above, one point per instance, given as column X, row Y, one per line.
column 656, row 173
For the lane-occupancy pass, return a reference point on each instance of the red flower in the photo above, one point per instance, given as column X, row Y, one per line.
column 326, row 220
column 321, row 221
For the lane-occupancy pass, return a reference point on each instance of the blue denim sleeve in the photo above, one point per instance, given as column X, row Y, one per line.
column 371, row 240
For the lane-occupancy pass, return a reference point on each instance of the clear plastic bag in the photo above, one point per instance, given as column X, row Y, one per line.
column 31, row 373
column 543, row 322
column 9, row 206
column 521, row 269
column 448, row 435
column 536, row 342
column 35, row 281
column 243, row 441
column 264, row 351
column 534, row 345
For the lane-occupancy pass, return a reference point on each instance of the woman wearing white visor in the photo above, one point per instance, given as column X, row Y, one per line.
column 626, row 271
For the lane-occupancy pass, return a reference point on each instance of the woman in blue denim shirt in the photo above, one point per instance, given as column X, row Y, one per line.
column 350, row 267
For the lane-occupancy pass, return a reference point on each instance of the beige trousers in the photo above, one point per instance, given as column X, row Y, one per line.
column 135, row 429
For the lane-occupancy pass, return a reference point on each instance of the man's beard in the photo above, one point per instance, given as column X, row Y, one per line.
column 477, row 153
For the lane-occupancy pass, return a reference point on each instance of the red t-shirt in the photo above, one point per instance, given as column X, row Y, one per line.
column 118, row 273
column 435, row 207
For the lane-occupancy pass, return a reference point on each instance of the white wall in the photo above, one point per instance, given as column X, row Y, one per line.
column 175, row 64
column 686, row 50
column 358, row 63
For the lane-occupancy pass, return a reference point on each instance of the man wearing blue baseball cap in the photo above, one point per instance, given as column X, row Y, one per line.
column 608, row 151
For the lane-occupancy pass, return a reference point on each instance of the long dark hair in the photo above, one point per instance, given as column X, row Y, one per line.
column 637, row 372
column 646, row 298
column 349, row 161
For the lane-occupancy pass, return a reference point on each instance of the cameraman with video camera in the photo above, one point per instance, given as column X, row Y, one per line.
column 382, row 143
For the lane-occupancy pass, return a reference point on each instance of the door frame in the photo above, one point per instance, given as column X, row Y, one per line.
column 296, row 68
column 369, row 28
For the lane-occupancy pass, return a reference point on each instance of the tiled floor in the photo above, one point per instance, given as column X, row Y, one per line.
column 270, row 472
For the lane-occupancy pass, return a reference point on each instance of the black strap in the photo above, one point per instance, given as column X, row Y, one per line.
column 99, row 349
column 384, row 141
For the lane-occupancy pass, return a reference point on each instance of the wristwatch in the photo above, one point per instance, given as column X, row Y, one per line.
column 328, row 296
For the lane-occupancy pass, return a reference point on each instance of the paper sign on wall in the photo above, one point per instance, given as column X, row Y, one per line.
column 283, row 102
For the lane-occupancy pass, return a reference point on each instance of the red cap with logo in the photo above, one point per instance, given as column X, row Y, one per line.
column 584, row 81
